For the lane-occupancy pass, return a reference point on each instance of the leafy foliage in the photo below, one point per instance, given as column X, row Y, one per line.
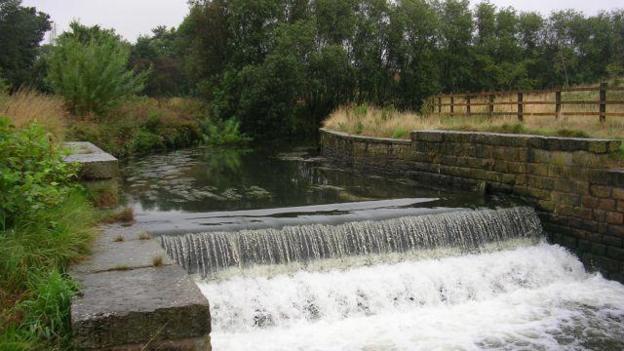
column 33, row 175
column 21, row 31
column 280, row 66
column 222, row 133
column 88, row 67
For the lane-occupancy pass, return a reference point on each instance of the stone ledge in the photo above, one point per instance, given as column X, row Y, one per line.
column 596, row 146
column 368, row 139
column 94, row 162
column 123, row 255
column 138, row 307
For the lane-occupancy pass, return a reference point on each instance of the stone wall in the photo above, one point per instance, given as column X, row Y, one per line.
column 573, row 183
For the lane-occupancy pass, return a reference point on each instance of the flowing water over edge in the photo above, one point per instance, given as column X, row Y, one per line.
column 207, row 253
column 529, row 298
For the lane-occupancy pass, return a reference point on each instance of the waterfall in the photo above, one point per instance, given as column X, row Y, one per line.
column 535, row 297
column 206, row 253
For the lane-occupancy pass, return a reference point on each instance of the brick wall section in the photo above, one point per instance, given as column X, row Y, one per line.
column 574, row 184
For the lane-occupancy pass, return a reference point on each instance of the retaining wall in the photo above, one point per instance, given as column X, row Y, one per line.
column 573, row 183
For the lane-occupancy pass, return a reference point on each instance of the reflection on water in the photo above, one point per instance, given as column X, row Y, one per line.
column 211, row 179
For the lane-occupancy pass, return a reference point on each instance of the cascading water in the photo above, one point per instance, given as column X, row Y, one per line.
column 528, row 298
column 468, row 280
column 207, row 253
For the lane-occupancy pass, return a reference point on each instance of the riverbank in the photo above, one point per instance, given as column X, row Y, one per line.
column 390, row 123
column 46, row 223
column 139, row 126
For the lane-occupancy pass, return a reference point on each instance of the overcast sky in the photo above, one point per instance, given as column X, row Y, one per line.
column 134, row 17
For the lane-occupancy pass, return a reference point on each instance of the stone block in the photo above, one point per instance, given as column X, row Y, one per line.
column 110, row 255
column 607, row 205
column 428, row 136
column 610, row 240
column 567, row 199
column 618, row 193
column 135, row 307
column 600, row 191
column 590, row 201
column 615, row 218
column 94, row 163
column 545, row 183
column 537, row 169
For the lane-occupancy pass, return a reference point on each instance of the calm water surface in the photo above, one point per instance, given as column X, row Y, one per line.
column 218, row 179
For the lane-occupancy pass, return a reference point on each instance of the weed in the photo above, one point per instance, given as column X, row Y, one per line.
column 157, row 261
column 125, row 215
column 145, row 236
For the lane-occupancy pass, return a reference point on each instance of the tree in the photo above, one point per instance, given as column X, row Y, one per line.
column 91, row 70
column 21, row 31
column 161, row 55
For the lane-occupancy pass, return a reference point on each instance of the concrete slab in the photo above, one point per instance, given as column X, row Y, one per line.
column 94, row 162
column 145, row 306
column 109, row 255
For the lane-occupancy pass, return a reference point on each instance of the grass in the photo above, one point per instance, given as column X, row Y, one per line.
column 35, row 291
column 27, row 106
column 387, row 122
column 138, row 126
column 124, row 215
column 145, row 236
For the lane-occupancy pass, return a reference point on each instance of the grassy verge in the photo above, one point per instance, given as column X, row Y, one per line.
column 46, row 223
column 387, row 122
column 139, row 125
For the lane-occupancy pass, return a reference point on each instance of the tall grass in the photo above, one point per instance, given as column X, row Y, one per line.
column 379, row 122
column 26, row 106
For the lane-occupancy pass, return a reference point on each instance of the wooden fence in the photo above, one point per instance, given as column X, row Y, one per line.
column 466, row 104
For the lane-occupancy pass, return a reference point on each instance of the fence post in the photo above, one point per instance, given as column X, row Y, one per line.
column 468, row 105
column 452, row 105
column 558, row 104
column 439, row 104
column 491, row 105
column 603, row 102
column 520, row 107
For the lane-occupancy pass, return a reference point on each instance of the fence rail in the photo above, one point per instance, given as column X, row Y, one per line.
column 442, row 102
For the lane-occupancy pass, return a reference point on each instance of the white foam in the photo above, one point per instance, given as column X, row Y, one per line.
column 537, row 297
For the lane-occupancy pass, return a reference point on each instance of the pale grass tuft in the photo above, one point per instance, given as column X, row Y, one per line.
column 26, row 106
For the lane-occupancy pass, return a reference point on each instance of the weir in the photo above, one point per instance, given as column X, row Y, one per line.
column 206, row 253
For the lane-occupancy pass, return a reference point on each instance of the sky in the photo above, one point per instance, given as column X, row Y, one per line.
column 132, row 18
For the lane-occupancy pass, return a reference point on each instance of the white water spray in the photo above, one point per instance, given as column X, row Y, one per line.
column 532, row 298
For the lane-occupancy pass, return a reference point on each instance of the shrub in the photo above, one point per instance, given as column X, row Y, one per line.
column 222, row 133
column 141, row 125
column 33, row 175
column 92, row 73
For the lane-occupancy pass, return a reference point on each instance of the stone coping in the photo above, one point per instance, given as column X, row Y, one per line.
column 367, row 138
column 551, row 143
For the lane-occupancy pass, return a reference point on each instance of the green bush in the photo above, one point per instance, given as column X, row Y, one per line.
column 222, row 133
column 33, row 176
column 146, row 141
column 92, row 73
